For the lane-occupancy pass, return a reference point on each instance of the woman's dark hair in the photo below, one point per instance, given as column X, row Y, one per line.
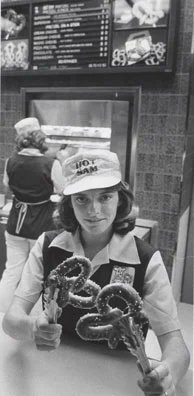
column 34, row 139
column 125, row 217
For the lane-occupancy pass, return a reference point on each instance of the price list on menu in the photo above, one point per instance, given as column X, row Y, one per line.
column 71, row 34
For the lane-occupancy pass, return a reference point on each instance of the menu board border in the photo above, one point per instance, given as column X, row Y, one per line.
column 168, row 67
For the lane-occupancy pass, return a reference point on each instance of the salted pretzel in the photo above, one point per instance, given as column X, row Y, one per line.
column 60, row 289
column 113, row 325
column 18, row 22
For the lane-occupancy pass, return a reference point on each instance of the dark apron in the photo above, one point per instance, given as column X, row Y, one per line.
column 29, row 220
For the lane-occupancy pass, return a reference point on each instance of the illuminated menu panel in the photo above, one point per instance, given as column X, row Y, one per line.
column 42, row 36
column 71, row 35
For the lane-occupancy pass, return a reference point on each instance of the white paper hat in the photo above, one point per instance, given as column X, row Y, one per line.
column 29, row 124
column 90, row 169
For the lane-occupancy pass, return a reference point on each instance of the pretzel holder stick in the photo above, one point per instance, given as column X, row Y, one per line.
column 52, row 309
column 132, row 336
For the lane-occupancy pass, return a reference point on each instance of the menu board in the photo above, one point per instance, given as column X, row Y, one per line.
column 89, row 35
column 71, row 34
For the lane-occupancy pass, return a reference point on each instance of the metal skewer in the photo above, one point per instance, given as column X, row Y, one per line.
column 132, row 336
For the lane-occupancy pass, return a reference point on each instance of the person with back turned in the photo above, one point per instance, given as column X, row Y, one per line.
column 32, row 178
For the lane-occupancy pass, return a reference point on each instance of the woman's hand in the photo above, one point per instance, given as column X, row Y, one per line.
column 159, row 381
column 46, row 335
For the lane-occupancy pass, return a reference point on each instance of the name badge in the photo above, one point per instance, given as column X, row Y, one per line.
column 123, row 275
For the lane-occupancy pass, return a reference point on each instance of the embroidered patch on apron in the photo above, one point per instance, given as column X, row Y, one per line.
column 122, row 275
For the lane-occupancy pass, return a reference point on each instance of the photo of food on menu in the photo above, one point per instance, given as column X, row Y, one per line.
column 15, row 41
column 140, row 13
column 100, row 34
column 139, row 32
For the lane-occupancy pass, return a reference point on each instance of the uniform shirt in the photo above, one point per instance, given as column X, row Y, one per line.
column 159, row 303
column 56, row 171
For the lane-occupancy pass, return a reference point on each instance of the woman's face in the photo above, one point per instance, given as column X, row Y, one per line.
column 95, row 210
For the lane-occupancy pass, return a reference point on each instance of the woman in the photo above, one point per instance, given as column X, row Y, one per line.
column 96, row 213
column 32, row 178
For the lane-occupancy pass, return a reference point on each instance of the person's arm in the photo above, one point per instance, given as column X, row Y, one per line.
column 16, row 322
column 19, row 325
column 6, row 188
column 175, row 354
column 57, row 177
column 5, row 175
column 160, row 307
column 166, row 374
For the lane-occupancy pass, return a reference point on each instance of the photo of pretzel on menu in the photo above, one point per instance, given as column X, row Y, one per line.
column 14, row 36
column 142, row 47
column 13, row 24
column 140, row 13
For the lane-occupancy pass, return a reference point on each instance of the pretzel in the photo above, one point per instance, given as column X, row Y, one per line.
column 123, row 291
column 147, row 13
column 96, row 327
column 102, row 325
column 16, row 24
column 59, row 289
column 112, row 325
column 157, row 54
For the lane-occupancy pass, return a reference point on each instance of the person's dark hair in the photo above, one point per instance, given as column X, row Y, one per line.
column 125, row 217
column 34, row 139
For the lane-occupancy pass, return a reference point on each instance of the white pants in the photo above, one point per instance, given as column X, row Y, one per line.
column 18, row 250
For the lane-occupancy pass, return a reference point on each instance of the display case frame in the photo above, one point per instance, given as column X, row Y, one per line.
column 127, row 147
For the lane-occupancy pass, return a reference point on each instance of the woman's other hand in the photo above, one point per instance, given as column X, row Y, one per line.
column 159, row 381
column 46, row 335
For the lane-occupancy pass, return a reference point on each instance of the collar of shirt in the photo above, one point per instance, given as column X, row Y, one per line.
column 121, row 248
column 30, row 152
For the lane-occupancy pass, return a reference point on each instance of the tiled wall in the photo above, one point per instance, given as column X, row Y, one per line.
column 187, row 198
column 162, row 143
column 161, row 140
column 189, row 145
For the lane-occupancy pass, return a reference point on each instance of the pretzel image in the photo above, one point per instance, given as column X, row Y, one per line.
column 59, row 289
column 13, row 23
column 113, row 325
column 146, row 13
